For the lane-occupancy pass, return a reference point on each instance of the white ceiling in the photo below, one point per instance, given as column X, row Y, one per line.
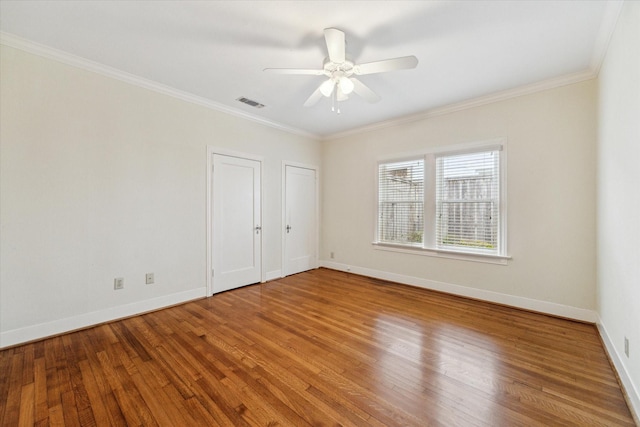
column 215, row 51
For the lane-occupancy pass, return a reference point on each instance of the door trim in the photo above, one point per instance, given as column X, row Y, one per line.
column 211, row 150
column 316, row 169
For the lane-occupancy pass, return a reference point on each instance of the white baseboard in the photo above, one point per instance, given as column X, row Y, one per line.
column 272, row 275
column 43, row 330
column 546, row 307
column 632, row 391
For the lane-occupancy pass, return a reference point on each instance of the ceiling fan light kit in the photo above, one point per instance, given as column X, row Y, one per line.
column 341, row 71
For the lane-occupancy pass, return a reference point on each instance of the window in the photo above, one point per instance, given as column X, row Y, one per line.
column 447, row 202
column 401, row 202
column 468, row 201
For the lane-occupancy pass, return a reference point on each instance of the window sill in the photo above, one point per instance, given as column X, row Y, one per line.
column 439, row 253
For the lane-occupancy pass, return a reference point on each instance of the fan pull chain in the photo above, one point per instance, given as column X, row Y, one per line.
column 334, row 100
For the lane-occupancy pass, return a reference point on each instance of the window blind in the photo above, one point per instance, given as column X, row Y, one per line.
column 468, row 201
column 401, row 202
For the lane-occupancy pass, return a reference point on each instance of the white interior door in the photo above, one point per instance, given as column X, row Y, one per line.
column 300, row 237
column 236, row 222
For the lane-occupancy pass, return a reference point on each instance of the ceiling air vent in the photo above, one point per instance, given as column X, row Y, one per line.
column 250, row 102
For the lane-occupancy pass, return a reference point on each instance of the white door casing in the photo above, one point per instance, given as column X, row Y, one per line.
column 300, row 240
column 236, row 257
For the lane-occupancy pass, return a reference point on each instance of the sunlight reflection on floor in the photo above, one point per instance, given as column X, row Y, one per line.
column 405, row 345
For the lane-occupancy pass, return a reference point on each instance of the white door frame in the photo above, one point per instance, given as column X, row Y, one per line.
column 316, row 169
column 211, row 150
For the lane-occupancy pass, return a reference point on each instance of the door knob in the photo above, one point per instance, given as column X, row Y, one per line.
column 258, row 228
column 288, row 228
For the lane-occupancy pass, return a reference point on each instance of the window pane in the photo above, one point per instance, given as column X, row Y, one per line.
column 401, row 202
column 467, row 201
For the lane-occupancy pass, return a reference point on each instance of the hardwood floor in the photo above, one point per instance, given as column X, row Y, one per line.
column 318, row 348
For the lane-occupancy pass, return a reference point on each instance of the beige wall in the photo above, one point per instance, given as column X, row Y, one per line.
column 551, row 154
column 103, row 179
column 619, row 198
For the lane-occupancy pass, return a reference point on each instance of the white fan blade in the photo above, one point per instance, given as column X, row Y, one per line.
column 315, row 97
column 383, row 66
column 301, row 71
column 360, row 89
column 335, row 44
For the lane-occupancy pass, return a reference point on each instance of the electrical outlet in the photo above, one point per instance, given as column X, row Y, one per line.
column 331, row 255
column 118, row 283
column 626, row 346
column 148, row 278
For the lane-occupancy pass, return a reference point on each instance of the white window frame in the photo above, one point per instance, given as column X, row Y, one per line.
column 429, row 247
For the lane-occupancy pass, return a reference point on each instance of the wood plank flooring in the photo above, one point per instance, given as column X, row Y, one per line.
column 320, row 348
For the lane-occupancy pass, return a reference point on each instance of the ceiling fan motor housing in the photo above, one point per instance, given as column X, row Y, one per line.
column 338, row 74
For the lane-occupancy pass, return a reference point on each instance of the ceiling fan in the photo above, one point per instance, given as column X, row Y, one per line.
column 341, row 71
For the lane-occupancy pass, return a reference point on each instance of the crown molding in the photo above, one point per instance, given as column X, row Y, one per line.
column 607, row 28
column 16, row 42
column 612, row 12
column 552, row 83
